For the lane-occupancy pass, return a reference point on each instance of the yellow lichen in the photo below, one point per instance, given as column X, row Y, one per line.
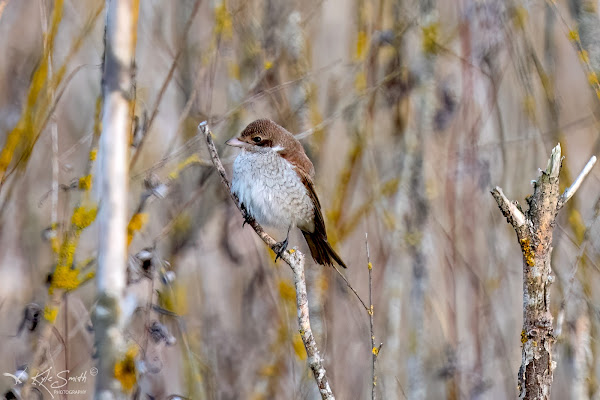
column 390, row 187
column 85, row 182
column 286, row 291
column 233, row 69
column 528, row 253
column 291, row 251
column 577, row 224
column 174, row 299
column 83, row 217
column 12, row 140
column 361, row 45
column 375, row 351
column 315, row 118
column 389, row 220
column 519, row 17
column 67, row 251
column 125, row 371
column 268, row 370
column 573, row 35
column 182, row 223
column 268, row 65
column 529, row 106
column 97, row 121
column 64, row 277
column 370, row 266
column 593, row 78
column 23, row 135
column 584, row 56
column 50, row 313
column 414, row 238
column 93, row 154
column 55, row 244
column 360, row 82
column 430, row 38
column 299, row 346
column 589, row 7
column 190, row 160
column 523, row 337
column 223, row 23
column 322, row 283
column 136, row 223
column 87, row 277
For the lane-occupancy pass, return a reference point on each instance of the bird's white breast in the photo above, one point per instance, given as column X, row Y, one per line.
column 271, row 190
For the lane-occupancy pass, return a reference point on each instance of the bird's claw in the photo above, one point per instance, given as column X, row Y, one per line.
column 247, row 219
column 279, row 248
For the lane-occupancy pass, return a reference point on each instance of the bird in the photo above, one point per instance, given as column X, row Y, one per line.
column 273, row 181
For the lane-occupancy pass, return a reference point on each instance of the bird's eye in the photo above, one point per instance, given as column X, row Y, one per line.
column 256, row 139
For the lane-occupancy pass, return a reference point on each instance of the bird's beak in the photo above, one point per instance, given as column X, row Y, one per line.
column 235, row 142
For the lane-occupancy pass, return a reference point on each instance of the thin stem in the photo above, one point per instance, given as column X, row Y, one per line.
column 374, row 350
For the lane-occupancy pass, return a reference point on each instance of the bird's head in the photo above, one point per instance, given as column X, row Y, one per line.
column 263, row 135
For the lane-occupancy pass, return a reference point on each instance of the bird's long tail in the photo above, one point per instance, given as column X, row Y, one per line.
column 321, row 250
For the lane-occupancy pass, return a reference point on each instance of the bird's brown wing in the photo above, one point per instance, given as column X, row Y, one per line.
column 320, row 248
column 310, row 188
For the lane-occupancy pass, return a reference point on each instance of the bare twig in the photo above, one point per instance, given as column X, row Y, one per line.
column 351, row 288
column 570, row 191
column 295, row 260
column 511, row 211
column 374, row 350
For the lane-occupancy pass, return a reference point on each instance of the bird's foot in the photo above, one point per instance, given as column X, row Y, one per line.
column 247, row 219
column 279, row 248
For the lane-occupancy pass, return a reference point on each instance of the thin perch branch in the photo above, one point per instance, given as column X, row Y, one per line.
column 374, row 350
column 295, row 260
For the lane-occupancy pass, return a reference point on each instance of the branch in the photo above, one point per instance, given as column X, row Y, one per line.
column 513, row 215
column 295, row 260
column 535, row 376
column 570, row 191
column 374, row 350
column 109, row 318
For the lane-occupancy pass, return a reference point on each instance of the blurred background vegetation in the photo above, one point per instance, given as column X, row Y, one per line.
column 411, row 110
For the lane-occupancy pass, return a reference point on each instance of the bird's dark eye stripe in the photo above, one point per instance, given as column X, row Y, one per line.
column 256, row 139
column 266, row 143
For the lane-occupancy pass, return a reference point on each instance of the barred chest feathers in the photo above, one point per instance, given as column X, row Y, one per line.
column 271, row 191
